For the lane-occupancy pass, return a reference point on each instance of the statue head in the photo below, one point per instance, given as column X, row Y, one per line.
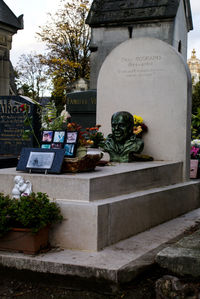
column 19, row 180
column 122, row 123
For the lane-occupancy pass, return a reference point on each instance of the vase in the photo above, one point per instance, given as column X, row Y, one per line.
column 194, row 168
column 97, row 151
column 81, row 152
column 23, row 240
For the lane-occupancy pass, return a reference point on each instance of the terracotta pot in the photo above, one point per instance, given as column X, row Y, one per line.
column 23, row 240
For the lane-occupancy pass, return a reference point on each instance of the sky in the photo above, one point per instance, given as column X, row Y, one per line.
column 35, row 15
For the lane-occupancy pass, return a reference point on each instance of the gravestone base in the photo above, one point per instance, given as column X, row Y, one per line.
column 112, row 203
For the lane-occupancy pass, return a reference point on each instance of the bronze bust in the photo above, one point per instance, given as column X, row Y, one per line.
column 122, row 144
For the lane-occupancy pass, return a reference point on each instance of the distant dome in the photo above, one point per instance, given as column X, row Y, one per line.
column 194, row 66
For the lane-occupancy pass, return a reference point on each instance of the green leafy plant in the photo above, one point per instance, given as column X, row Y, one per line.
column 51, row 120
column 195, row 127
column 28, row 123
column 34, row 211
column 5, row 206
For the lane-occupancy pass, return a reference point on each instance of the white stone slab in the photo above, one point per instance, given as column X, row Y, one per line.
column 108, row 181
column 147, row 77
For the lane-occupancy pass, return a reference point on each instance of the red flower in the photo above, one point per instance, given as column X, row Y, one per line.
column 23, row 107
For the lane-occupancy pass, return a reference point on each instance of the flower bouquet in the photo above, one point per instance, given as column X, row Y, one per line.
column 195, row 149
column 83, row 161
column 139, row 126
column 195, row 158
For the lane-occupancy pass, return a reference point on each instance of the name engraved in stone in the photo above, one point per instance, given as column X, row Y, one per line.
column 81, row 101
column 140, row 66
column 10, row 107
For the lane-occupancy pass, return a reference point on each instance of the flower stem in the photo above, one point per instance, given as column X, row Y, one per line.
column 32, row 130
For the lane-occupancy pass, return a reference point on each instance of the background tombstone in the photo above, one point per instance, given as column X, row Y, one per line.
column 147, row 77
column 113, row 22
column 12, row 124
column 82, row 107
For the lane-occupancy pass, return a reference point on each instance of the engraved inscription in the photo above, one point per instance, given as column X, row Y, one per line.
column 140, row 66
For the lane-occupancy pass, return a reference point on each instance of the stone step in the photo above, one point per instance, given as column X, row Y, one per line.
column 104, row 182
column 118, row 263
column 95, row 225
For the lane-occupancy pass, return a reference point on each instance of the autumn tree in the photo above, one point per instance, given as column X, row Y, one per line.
column 31, row 75
column 67, row 39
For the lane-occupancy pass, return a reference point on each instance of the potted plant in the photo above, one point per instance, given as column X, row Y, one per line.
column 195, row 157
column 25, row 222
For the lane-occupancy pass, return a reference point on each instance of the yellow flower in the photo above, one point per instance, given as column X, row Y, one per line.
column 137, row 120
column 137, row 130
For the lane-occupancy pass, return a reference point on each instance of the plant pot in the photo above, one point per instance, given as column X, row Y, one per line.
column 23, row 240
column 194, row 168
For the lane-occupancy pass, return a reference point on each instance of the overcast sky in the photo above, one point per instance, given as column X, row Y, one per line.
column 35, row 15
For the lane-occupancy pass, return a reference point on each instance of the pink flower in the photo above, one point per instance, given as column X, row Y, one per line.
column 194, row 151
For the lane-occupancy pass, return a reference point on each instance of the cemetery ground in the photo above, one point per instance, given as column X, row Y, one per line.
column 24, row 285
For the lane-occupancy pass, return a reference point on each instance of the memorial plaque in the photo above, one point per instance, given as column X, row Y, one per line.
column 82, row 107
column 12, row 124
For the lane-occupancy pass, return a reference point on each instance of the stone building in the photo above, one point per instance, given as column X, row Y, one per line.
column 114, row 21
column 194, row 66
column 9, row 25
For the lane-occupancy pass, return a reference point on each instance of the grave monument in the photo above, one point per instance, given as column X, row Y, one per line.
column 147, row 77
column 12, row 124
column 113, row 22
column 82, row 107
column 9, row 25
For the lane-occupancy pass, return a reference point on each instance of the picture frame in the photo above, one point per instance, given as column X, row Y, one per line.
column 41, row 160
column 47, row 136
column 59, row 137
column 72, row 137
column 70, row 149
column 47, row 146
column 56, row 145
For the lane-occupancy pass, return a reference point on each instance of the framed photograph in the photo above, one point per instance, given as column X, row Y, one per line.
column 59, row 136
column 72, row 137
column 46, row 146
column 56, row 145
column 41, row 160
column 69, row 149
column 47, row 136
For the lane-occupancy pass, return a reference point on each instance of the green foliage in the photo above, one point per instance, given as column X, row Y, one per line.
column 67, row 38
column 196, row 124
column 34, row 211
column 51, row 119
column 195, row 97
column 5, row 206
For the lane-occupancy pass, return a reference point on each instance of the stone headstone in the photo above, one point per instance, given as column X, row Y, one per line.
column 147, row 77
column 82, row 107
column 12, row 124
